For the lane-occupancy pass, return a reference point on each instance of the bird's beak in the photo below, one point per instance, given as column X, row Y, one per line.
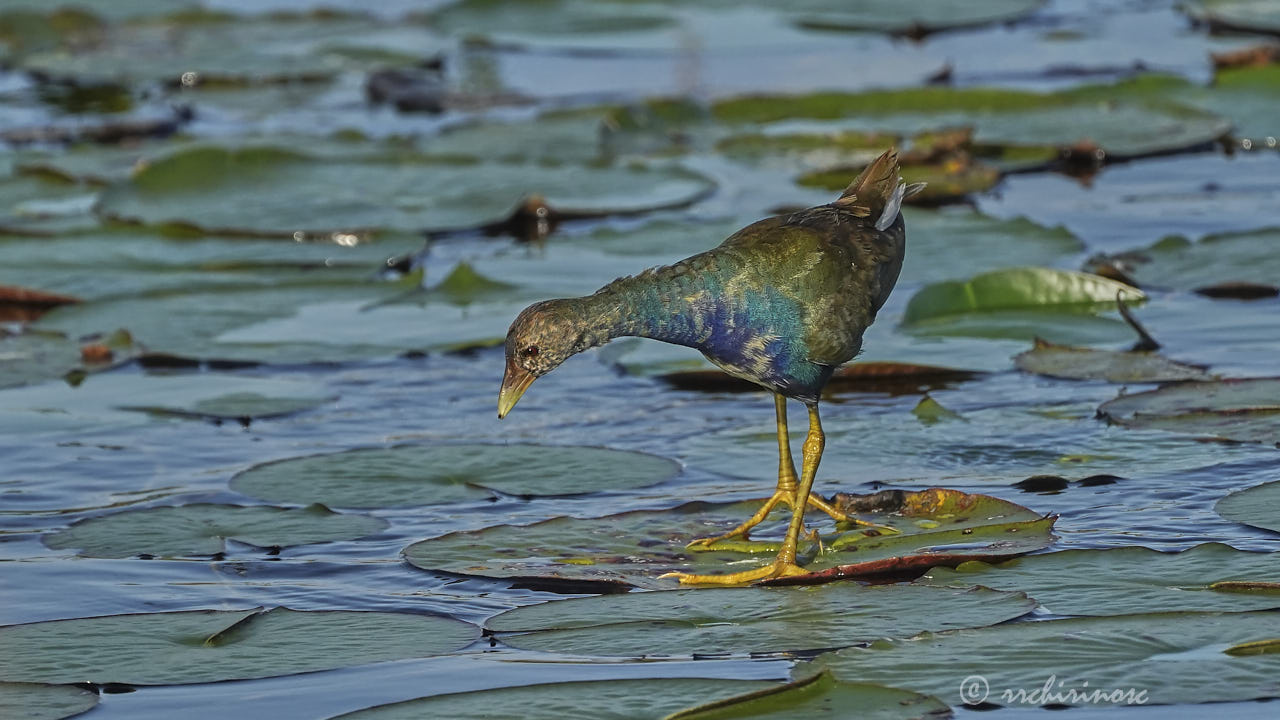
column 514, row 382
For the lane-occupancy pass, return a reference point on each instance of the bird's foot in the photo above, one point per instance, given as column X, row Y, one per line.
column 778, row 568
column 739, row 538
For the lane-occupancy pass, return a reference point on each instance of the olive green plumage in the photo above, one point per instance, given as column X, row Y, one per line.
column 781, row 303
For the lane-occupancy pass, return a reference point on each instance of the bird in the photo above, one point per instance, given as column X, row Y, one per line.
column 781, row 303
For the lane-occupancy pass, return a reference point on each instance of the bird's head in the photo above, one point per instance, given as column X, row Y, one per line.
column 544, row 335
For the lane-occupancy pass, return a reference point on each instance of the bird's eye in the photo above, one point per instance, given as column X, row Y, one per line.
column 530, row 351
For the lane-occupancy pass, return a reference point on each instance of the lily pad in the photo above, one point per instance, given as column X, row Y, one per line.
column 1031, row 288
column 1080, row 363
column 33, row 357
column 1257, row 16
column 408, row 475
column 938, row 527
column 202, row 529
column 41, row 701
column 1178, row 263
column 271, row 191
column 1121, row 127
column 738, row 621
column 1245, row 410
column 1159, row 658
column 1116, row 581
column 818, row 696
column 203, row 646
column 1258, row 506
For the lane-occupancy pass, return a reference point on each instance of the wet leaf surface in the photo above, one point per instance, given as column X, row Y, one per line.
column 1171, row 657
column 214, row 645
column 633, row 549
column 40, row 701
column 1078, row 363
column 1258, row 506
column 1125, row 580
column 1245, row 410
column 33, row 357
column 203, row 529
column 817, row 696
column 737, row 621
column 409, row 475
column 1175, row 262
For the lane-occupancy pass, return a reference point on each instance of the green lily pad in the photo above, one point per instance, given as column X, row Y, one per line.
column 1030, row 288
column 201, row 646
column 224, row 49
column 1258, row 506
column 1122, row 127
column 33, row 357
column 1079, row 363
column 34, row 205
column 1178, row 263
column 1164, row 658
column 738, row 621
column 41, row 701
column 1244, row 410
column 408, row 475
column 938, row 527
column 905, row 19
column 650, row 699
column 1259, row 16
column 202, row 529
column 816, row 696
column 271, row 191
column 1125, row 580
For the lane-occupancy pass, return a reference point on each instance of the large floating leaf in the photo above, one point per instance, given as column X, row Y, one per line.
column 33, row 357
column 1176, row 262
column 818, row 696
column 203, row 529
column 1029, row 288
column 741, row 621
column 408, row 475
column 214, row 645
column 938, row 527
column 1080, row 363
column 1170, row 657
column 1125, row 580
column 41, row 701
column 274, row 191
column 222, row 49
column 1247, row 410
column 1120, row 126
column 1258, row 506
column 1239, row 15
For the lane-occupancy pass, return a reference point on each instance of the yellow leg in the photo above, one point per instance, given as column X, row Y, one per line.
column 785, row 563
column 785, row 494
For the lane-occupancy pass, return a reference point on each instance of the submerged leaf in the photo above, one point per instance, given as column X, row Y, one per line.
column 1157, row 658
column 1115, row 581
column 1258, row 506
column 753, row 621
column 41, row 701
column 203, row 529
column 170, row 649
column 634, row 548
column 1245, row 410
column 816, row 696
column 408, row 475
column 1079, row 363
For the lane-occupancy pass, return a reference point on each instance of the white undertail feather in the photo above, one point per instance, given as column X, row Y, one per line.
column 892, row 207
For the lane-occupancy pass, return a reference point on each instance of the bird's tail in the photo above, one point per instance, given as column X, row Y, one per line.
column 879, row 191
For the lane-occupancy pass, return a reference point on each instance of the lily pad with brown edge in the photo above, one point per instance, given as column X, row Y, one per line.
column 1258, row 506
column 201, row 646
column 1174, row 262
column 43, row 701
column 22, row 305
column 1115, row 581
column 1117, row 125
column 202, row 529
column 408, row 475
column 1081, row 363
column 889, row 377
column 747, row 621
column 1242, row 410
column 1153, row 658
column 937, row 527
column 266, row 191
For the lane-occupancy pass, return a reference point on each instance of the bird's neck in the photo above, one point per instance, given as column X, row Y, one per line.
column 674, row 304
